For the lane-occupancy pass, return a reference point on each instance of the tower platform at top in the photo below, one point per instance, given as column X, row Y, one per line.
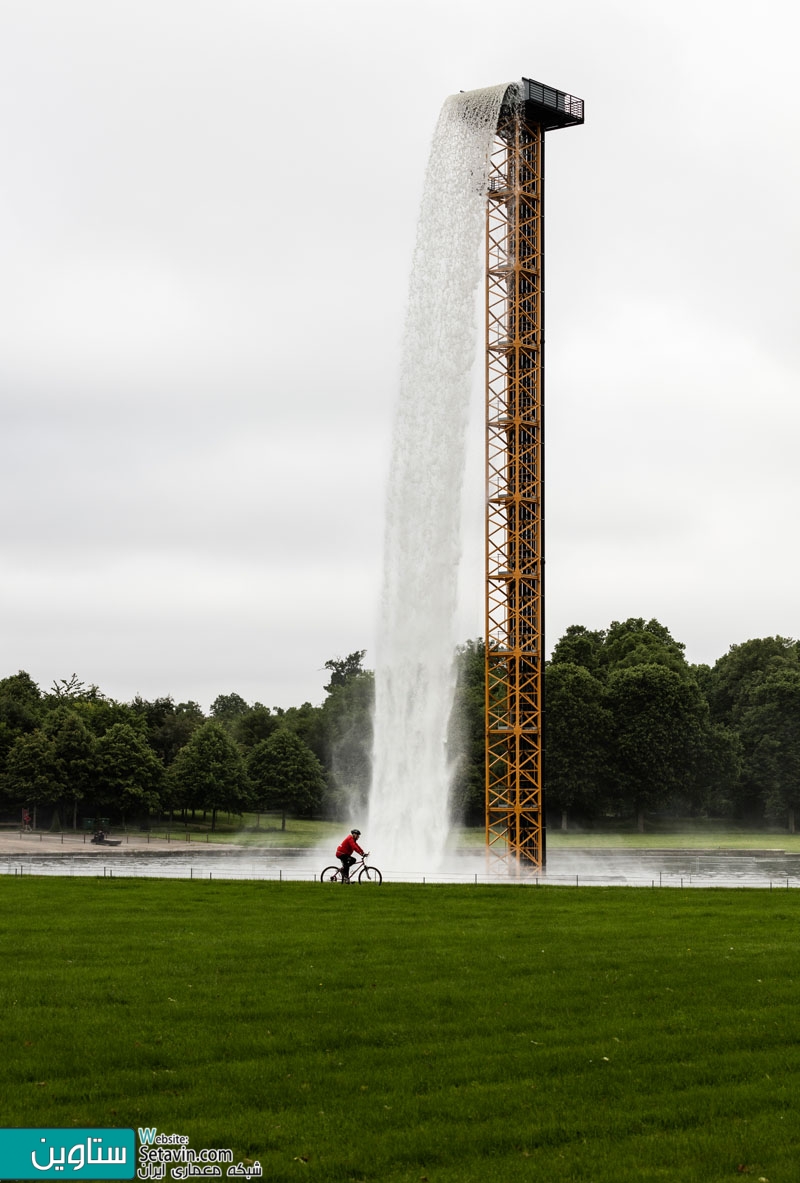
column 550, row 108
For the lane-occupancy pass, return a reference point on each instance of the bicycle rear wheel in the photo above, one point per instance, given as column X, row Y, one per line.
column 370, row 875
column 331, row 875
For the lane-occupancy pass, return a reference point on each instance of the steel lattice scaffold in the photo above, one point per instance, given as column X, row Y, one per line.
column 515, row 827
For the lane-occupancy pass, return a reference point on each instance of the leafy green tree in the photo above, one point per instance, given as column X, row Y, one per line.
column 228, row 709
column 672, row 712
column 75, row 752
column 69, row 689
column 7, row 737
column 630, row 642
column 717, row 771
column 21, row 710
column 286, row 775
column 34, row 775
column 340, row 733
column 734, row 689
column 580, row 646
column 735, row 676
column 343, row 735
column 129, row 774
column 20, row 701
column 259, row 723
column 770, row 729
column 578, row 728
column 209, row 772
column 635, row 642
column 100, row 714
column 305, row 722
column 658, row 720
column 344, row 669
column 168, row 726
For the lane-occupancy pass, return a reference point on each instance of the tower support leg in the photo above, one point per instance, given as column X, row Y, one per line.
column 515, row 828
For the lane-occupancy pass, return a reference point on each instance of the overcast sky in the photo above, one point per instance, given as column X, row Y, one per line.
column 207, row 212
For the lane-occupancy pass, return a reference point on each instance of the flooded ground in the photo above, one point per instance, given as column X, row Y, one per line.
column 71, row 856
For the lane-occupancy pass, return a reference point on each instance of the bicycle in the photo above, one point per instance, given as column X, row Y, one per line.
column 365, row 874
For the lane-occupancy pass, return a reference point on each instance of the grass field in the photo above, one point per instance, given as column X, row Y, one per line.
column 685, row 834
column 707, row 839
column 405, row 1033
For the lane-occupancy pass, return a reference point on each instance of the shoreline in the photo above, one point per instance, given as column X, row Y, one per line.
column 67, row 843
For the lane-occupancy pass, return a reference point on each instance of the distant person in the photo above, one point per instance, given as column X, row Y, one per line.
column 26, row 820
column 344, row 852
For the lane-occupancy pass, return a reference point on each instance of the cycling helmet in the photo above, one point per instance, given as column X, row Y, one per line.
column 356, row 833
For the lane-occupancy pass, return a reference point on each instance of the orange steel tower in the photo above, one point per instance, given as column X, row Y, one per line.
column 515, row 826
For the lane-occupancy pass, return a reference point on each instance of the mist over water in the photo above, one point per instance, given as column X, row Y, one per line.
column 409, row 819
column 565, row 868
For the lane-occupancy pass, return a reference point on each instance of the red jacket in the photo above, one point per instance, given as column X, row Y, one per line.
column 348, row 846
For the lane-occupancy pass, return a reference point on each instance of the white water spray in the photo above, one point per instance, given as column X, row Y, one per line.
column 409, row 816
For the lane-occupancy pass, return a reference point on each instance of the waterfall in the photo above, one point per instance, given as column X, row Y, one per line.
column 409, row 817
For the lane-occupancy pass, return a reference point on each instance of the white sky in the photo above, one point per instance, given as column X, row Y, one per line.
column 207, row 211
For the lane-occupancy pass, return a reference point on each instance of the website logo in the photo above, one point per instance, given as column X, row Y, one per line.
column 67, row 1154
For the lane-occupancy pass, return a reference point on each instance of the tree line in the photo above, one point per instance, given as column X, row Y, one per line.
column 631, row 728
column 72, row 752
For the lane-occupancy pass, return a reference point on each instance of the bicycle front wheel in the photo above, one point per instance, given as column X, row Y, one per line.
column 331, row 875
column 370, row 875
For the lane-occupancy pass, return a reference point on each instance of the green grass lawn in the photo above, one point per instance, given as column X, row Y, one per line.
column 304, row 834
column 706, row 839
column 408, row 1033
column 255, row 830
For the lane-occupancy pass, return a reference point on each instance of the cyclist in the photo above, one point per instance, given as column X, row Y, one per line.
column 344, row 852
